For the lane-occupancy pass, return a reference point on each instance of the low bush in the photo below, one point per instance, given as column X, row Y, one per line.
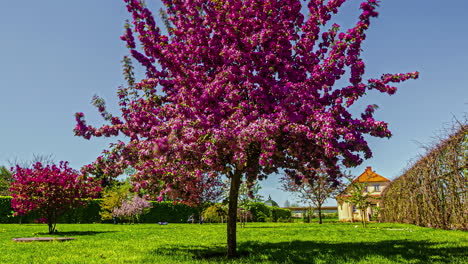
column 260, row 212
column 280, row 214
column 216, row 213
column 330, row 215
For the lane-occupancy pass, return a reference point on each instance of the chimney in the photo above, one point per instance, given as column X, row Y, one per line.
column 369, row 168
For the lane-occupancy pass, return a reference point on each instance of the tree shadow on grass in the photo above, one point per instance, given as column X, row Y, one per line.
column 208, row 253
column 397, row 251
column 76, row 233
column 247, row 226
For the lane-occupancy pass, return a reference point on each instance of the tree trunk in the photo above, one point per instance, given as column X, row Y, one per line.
column 51, row 228
column 232, row 214
column 319, row 208
column 310, row 214
column 363, row 218
column 51, row 221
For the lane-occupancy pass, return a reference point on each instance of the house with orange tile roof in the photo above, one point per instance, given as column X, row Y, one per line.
column 373, row 184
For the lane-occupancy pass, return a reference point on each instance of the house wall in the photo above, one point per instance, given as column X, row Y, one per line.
column 346, row 212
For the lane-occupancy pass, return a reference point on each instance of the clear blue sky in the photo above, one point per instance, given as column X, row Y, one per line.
column 55, row 55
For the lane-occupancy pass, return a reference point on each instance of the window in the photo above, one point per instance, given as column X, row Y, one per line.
column 377, row 188
column 366, row 189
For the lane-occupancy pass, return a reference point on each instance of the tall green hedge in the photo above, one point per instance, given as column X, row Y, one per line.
column 82, row 215
column 434, row 191
column 86, row 214
column 168, row 212
column 6, row 213
column 5, row 209
column 160, row 212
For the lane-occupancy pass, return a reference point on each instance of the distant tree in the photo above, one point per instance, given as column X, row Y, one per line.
column 295, row 204
column 356, row 193
column 244, row 216
column 50, row 190
column 211, row 191
column 5, row 181
column 44, row 159
column 216, row 213
column 205, row 190
column 208, row 190
column 248, row 193
column 287, row 203
column 112, row 198
column 314, row 189
column 107, row 180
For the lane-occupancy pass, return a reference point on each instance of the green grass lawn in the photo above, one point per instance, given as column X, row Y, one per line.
column 257, row 243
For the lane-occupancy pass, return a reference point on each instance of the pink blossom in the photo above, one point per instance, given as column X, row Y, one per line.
column 50, row 190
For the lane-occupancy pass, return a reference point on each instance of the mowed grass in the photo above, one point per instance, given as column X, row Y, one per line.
column 257, row 243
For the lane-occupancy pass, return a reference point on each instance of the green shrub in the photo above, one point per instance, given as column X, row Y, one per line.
column 280, row 214
column 260, row 212
column 112, row 198
column 330, row 215
column 215, row 214
column 262, row 217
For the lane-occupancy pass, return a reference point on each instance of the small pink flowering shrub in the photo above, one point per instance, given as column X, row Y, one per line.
column 132, row 210
column 50, row 190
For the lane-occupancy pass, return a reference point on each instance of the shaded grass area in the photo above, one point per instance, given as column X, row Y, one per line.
column 257, row 243
column 74, row 233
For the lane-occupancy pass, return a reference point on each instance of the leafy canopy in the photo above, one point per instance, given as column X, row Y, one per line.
column 243, row 86
column 5, row 181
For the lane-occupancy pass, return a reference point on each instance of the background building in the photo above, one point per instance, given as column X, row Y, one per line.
column 374, row 184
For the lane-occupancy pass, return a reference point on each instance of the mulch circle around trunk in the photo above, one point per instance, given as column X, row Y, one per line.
column 31, row 239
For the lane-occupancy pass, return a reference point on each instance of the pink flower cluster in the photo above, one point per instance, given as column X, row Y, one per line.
column 243, row 87
column 131, row 209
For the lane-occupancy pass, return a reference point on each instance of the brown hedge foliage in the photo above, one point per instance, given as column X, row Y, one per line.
column 433, row 192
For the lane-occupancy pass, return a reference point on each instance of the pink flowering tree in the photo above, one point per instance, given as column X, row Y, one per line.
column 50, row 190
column 131, row 210
column 240, row 88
